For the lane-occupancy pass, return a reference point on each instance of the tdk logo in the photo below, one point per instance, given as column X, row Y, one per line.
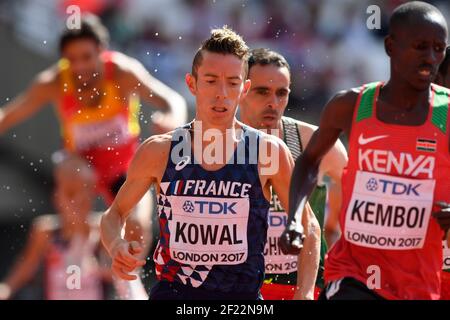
column 188, row 206
column 210, row 207
column 372, row 185
column 391, row 187
column 277, row 221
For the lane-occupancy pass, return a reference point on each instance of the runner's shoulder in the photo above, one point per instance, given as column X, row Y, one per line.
column 339, row 109
column 261, row 134
column 440, row 89
column 123, row 63
column 345, row 99
column 157, row 146
column 272, row 143
column 305, row 128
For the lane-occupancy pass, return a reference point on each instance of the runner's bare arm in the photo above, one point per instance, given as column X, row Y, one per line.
column 171, row 105
column 309, row 257
column 336, row 118
column 332, row 166
column 144, row 171
column 38, row 94
column 27, row 263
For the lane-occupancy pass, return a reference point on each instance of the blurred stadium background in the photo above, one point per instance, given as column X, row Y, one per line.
column 326, row 42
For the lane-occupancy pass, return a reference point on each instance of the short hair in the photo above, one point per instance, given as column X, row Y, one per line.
column 408, row 13
column 443, row 67
column 224, row 41
column 264, row 57
column 90, row 28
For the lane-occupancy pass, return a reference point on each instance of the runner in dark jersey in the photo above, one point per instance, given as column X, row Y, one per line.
column 263, row 108
column 396, row 184
column 214, row 178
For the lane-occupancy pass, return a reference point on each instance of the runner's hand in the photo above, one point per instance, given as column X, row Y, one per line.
column 125, row 259
column 291, row 240
column 442, row 215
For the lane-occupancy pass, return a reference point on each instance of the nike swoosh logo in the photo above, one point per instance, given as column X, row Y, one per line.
column 363, row 141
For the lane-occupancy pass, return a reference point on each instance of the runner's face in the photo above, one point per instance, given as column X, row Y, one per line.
column 84, row 58
column 218, row 87
column 417, row 52
column 73, row 197
column 268, row 97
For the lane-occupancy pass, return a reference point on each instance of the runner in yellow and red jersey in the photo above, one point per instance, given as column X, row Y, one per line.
column 96, row 93
column 395, row 209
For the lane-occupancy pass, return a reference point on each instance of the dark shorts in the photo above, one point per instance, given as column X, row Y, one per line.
column 348, row 289
column 164, row 290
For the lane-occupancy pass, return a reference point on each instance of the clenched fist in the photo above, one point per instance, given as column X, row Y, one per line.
column 125, row 259
column 291, row 240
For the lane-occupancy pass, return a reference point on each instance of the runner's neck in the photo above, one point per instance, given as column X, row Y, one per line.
column 69, row 230
column 408, row 99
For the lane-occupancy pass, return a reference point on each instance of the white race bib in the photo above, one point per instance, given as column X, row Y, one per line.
column 111, row 132
column 208, row 231
column 275, row 260
column 387, row 212
column 446, row 263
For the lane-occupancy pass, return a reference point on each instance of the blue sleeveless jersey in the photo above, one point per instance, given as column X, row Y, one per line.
column 213, row 224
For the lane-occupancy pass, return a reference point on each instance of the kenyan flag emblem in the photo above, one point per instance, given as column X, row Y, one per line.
column 426, row 145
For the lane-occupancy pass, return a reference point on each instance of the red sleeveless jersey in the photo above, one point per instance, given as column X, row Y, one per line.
column 395, row 173
column 106, row 134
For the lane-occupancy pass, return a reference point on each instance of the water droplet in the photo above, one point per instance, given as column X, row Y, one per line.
column 45, row 41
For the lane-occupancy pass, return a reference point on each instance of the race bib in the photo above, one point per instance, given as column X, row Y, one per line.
column 108, row 133
column 208, row 231
column 387, row 212
column 275, row 260
column 446, row 263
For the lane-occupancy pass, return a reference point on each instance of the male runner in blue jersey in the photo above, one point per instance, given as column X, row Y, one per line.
column 213, row 209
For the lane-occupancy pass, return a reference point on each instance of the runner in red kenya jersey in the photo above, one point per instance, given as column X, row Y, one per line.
column 399, row 159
